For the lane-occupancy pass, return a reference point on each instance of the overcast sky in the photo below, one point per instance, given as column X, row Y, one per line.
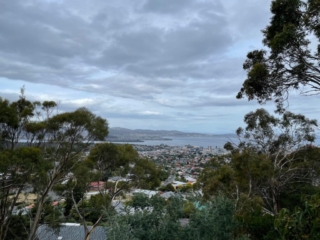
column 148, row 64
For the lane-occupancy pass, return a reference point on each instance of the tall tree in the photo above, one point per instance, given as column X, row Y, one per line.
column 17, row 167
column 269, row 157
column 67, row 136
column 290, row 61
column 13, row 119
column 103, row 160
column 52, row 145
column 17, row 163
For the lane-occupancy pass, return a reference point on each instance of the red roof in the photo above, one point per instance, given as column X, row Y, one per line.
column 30, row 206
column 96, row 184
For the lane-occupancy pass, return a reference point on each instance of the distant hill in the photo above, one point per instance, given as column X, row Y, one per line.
column 118, row 134
column 116, row 131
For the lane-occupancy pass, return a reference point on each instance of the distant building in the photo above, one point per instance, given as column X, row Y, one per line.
column 69, row 231
column 94, row 186
column 167, row 195
column 149, row 193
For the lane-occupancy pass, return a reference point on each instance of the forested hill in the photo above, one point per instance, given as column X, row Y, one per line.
column 125, row 131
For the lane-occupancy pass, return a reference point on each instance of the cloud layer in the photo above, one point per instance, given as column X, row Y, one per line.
column 140, row 64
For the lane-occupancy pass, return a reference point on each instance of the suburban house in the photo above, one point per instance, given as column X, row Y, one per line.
column 69, row 231
column 96, row 186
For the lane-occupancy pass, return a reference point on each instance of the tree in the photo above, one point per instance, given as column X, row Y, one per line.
column 53, row 145
column 302, row 222
column 158, row 221
column 67, row 136
column 290, row 62
column 146, row 175
column 102, row 162
column 18, row 164
column 13, row 120
column 17, row 167
column 269, row 158
column 215, row 220
column 169, row 188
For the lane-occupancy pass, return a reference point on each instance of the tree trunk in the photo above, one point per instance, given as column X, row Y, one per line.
column 34, row 224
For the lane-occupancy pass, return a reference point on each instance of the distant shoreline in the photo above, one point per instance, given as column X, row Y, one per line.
column 136, row 140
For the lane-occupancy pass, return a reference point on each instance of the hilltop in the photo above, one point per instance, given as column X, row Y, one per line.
column 129, row 135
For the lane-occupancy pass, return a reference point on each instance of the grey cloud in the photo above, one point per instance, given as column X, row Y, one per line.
column 134, row 115
column 10, row 96
column 247, row 18
column 123, row 86
column 173, row 56
column 198, row 102
column 168, row 8
column 153, row 51
column 220, row 102
column 64, row 48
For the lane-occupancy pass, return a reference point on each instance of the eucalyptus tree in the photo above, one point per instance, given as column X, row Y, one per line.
column 269, row 157
column 17, row 163
column 39, row 149
column 104, row 161
column 291, row 60
column 66, row 138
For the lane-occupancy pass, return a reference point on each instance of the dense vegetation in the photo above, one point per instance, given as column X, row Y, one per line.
column 44, row 152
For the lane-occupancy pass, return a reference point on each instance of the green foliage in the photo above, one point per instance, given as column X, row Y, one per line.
column 184, row 189
column 268, row 134
column 18, row 228
column 98, row 205
column 119, row 229
column 163, row 175
column 180, row 178
column 155, row 223
column 167, row 188
column 189, row 209
column 301, row 223
column 214, row 221
column 140, row 200
column 295, row 195
column 54, row 146
column 267, row 163
column 105, row 158
column 149, row 224
column 146, row 174
column 292, row 63
column 161, row 221
column 18, row 166
column 257, row 225
column 51, row 215
column 175, row 208
column 13, row 119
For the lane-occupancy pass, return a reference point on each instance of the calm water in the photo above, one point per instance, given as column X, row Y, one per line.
column 196, row 141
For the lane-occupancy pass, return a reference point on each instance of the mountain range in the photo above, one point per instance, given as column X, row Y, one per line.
column 118, row 131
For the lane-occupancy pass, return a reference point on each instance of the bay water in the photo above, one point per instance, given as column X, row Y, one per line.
column 196, row 141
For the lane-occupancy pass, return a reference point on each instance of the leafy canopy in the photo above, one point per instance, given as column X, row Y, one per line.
column 291, row 61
